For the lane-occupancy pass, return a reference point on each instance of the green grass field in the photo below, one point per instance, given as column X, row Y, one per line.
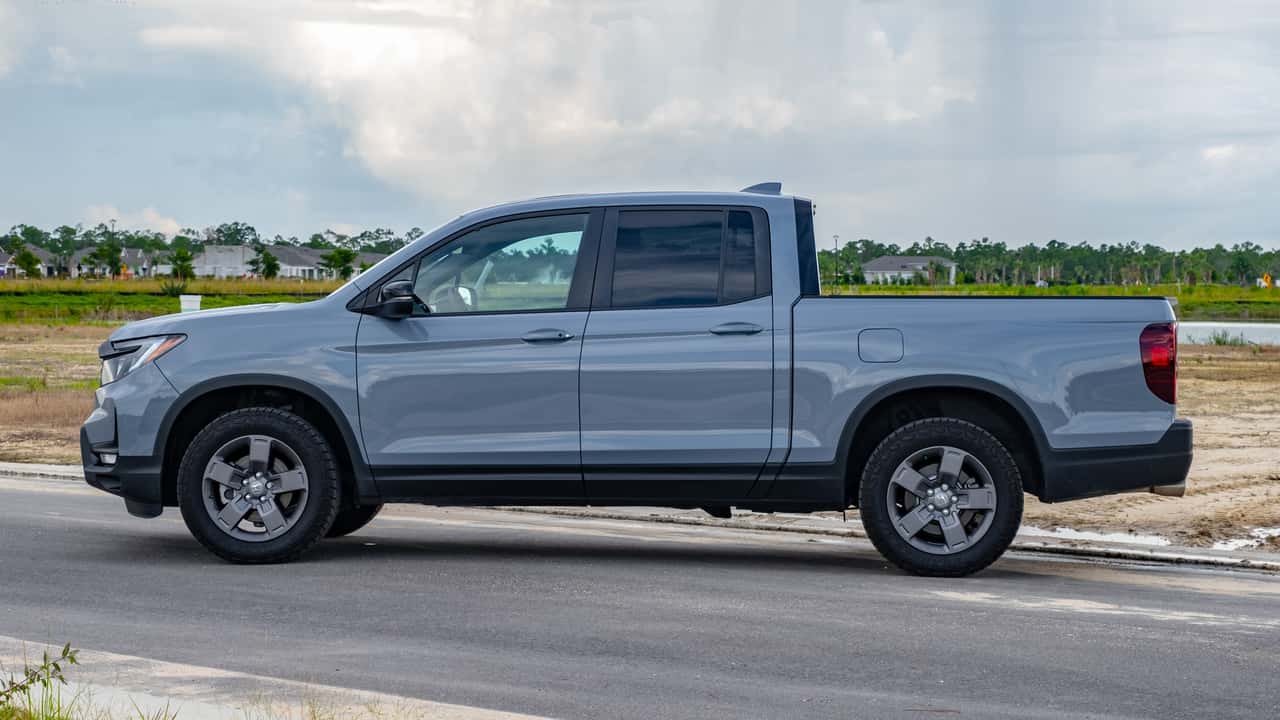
column 88, row 301
column 1195, row 302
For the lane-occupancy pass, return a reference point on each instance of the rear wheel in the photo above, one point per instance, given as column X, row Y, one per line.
column 941, row 496
column 258, row 485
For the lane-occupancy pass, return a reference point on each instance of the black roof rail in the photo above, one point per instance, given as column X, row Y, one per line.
column 764, row 188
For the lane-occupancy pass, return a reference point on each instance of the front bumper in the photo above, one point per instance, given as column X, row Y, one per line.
column 125, row 422
column 134, row 478
column 1088, row 472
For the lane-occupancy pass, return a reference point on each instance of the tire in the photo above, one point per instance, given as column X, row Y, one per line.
column 351, row 518
column 267, row 467
column 928, row 531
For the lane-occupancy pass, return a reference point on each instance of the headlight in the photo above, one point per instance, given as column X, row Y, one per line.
column 122, row 357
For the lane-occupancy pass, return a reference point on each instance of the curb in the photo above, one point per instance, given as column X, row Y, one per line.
column 1070, row 548
column 1045, row 547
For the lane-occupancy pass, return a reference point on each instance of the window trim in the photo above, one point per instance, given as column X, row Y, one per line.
column 602, row 296
column 580, row 285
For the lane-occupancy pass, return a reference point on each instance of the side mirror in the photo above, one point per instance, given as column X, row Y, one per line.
column 395, row 301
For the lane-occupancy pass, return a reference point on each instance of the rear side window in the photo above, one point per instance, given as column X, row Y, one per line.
column 680, row 258
column 739, row 257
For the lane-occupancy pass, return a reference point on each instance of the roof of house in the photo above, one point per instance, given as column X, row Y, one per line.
column 298, row 256
column 44, row 256
column 905, row 263
column 132, row 257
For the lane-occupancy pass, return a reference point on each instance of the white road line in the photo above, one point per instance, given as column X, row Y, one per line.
column 119, row 683
column 1093, row 607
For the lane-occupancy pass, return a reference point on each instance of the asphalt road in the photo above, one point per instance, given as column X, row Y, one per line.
column 582, row 618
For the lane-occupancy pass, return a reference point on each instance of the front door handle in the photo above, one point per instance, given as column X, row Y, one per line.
column 736, row 328
column 546, row 335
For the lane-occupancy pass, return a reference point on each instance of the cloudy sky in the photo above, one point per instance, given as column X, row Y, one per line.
column 1022, row 121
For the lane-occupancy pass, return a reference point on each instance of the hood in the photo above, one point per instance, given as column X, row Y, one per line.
column 184, row 322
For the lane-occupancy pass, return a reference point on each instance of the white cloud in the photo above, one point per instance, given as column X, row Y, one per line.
column 147, row 218
column 1219, row 153
column 190, row 37
column 64, row 67
column 472, row 103
column 11, row 38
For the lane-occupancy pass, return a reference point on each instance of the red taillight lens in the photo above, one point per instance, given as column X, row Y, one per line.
column 1159, row 343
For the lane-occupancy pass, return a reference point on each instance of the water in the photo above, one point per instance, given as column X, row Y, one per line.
column 1253, row 332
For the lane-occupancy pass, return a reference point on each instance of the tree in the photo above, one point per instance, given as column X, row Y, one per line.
column 27, row 262
column 63, row 244
column 181, row 261
column 107, row 255
column 264, row 264
column 338, row 261
column 232, row 233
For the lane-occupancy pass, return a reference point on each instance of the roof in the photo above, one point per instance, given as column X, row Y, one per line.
column 908, row 263
column 41, row 254
column 299, row 256
column 129, row 256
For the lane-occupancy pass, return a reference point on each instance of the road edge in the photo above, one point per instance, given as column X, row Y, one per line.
column 1046, row 546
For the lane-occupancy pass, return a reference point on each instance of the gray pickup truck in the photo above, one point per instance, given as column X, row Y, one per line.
column 668, row 349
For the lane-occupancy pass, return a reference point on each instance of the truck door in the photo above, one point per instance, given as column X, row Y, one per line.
column 476, row 394
column 677, row 358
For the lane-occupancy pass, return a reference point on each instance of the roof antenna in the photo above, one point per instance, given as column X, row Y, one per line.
column 764, row 188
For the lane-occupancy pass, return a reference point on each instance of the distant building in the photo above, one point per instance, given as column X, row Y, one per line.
column 893, row 269
column 9, row 267
column 213, row 261
column 224, row 261
column 134, row 263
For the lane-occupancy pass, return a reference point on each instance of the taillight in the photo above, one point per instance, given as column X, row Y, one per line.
column 1159, row 343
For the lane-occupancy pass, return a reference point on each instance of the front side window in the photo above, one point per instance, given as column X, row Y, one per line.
column 680, row 258
column 517, row 265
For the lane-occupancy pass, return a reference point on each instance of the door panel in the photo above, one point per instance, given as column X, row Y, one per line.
column 464, row 406
column 671, row 409
column 476, row 395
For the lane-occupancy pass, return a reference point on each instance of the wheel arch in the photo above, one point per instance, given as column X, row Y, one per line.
column 204, row 401
column 986, row 403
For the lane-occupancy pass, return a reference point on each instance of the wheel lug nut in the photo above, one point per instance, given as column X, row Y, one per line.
column 930, row 507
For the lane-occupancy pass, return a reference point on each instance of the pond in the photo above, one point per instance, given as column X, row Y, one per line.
column 1250, row 332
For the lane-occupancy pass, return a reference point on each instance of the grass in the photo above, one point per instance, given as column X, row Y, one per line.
column 1195, row 302
column 155, row 286
column 113, row 301
column 56, row 307
column 1224, row 338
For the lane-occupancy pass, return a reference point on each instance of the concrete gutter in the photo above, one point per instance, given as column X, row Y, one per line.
column 825, row 526
column 1239, row 559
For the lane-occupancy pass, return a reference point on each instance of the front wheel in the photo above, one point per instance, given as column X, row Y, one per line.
column 258, row 485
column 941, row 497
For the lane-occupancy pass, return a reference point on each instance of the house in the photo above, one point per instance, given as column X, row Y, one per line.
column 134, row 263
column 48, row 264
column 224, row 261
column 304, row 262
column 892, row 269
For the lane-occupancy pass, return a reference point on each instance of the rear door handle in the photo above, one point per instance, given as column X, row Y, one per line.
column 546, row 335
column 736, row 328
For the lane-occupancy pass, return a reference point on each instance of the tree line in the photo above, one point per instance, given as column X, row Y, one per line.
column 178, row 250
column 983, row 261
column 980, row 260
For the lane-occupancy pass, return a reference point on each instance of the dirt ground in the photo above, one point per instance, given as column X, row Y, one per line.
column 47, row 375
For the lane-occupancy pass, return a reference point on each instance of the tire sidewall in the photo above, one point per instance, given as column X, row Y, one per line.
column 901, row 444
column 322, row 484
